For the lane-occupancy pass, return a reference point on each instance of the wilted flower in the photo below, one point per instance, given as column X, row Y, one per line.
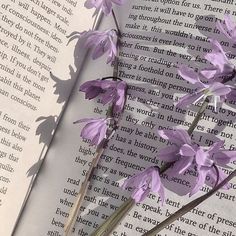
column 207, row 165
column 228, row 29
column 214, row 90
column 95, row 130
column 101, row 42
column 104, row 5
column 110, row 91
column 144, row 183
column 221, row 65
column 181, row 152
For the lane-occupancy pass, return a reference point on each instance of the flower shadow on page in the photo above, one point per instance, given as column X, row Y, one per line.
column 63, row 87
column 45, row 132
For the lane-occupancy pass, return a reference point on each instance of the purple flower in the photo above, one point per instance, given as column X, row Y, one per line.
column 181, row 152
column 144, row 183
column 221, row 64
column 100, row 42
column 207, row 165
column 110, row 91
column 104, row 5
column 228, row 29
column 214, row 90
column 95, row 130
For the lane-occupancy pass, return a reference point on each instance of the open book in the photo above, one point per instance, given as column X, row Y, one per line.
column 157, row 37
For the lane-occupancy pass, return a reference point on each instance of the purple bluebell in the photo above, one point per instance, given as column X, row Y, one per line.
column 95, row 130
column 181, row 152
column 144, row 183
column 228, row 28
column 208, row 162
column 104, row 5
column 109, row 91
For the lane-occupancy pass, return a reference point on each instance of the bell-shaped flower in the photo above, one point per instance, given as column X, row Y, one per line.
column 110, row 91
column 95, row 130
column 208, row 162
column 100, row 42
column 181, row 152
column 104, row 5
column 221, row 66
column 228, row 28
column 216, row 91
column 144, row 183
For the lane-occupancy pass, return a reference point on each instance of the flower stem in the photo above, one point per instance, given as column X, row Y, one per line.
column 188, row 207
column 116, row 23
column 83, row 190
column 198, row 116
column 100, row 149
column 106, row 228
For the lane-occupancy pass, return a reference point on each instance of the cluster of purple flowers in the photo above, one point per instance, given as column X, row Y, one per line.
column 211, row 83
column 109, row 91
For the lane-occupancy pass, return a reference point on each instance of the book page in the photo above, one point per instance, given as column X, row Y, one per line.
column 33, row 44
column 157, row 36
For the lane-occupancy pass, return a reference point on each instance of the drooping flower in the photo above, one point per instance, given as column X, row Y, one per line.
column 110, row 91
column 95, row 130
column 104, row 5
column 208, row 162
column 221, row 66
column 181, row 152
column 144, row 183
column 228, row 29
column 100, row 42
column 216, row 91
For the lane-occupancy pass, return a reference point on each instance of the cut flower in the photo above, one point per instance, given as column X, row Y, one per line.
column 144, row 183
column 95, row 130
column 104, row 5
column 229, row 28
column 110, row 91
column 207, row 165
column 100, row 42
column 214, row 90
column 221, row 66
column 181, row 152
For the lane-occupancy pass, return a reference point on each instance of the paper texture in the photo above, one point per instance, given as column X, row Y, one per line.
column 33, row 44
column 157, row 36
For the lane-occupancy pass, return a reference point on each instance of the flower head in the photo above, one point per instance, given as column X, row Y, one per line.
column 228, row 29
column 181, row 152
column 104, row 5
column 215, row 90
column 95, row 130
column 221, row 66
column 100, row 42
column 207, row 165
column 144, row 183
column 110, row 91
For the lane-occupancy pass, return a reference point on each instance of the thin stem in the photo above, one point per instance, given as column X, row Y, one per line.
column 188, row 207
column 106, row 228
column 116, row 23
column 79, row 200
column 198, row 116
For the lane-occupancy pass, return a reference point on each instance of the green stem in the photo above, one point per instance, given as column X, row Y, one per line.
column 106, row 228
column 188, row 207
column 199, row 115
